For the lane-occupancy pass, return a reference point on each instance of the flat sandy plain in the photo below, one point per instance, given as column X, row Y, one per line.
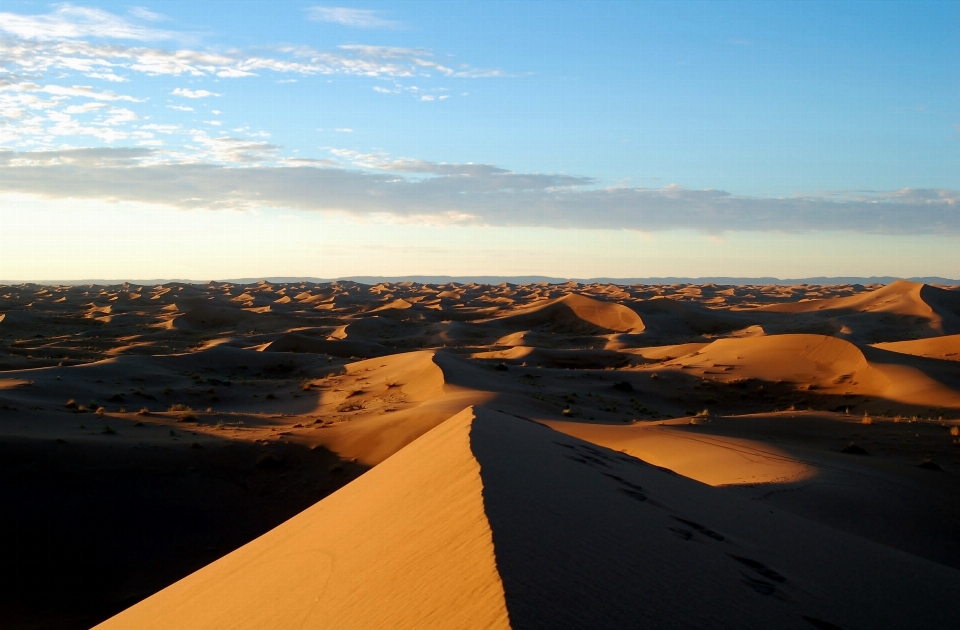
column 472, row 456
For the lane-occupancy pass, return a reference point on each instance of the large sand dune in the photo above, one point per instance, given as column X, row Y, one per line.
column 491, row 521
column 409, row 455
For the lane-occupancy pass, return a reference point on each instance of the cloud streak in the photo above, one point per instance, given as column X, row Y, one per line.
column 70, row 22
column 356, row 60
column 357, row 18
column 420, row 191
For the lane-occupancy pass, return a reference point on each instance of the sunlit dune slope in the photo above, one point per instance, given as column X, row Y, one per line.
column 398, row 398
column 830, row 365
column 406, row 546
column 574, row 312
column 947, row 347
column 713, row 461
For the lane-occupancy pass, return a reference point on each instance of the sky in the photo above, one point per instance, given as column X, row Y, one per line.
column 210, row 140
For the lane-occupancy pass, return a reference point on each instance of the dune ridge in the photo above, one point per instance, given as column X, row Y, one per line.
column 545, row 530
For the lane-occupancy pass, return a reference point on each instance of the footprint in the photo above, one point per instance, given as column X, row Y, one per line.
column 624, row 482
column 760, row 569
column 820, row 624
column 639, row 496
column 764, row 588
column 682, row 533
column 597, row 461
column 709, row 533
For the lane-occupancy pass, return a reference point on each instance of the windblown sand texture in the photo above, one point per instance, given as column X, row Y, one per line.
column 473, row 456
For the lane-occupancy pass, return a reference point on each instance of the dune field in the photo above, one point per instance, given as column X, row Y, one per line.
column 340, row 455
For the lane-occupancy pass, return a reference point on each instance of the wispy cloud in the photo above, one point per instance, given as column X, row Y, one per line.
column 71, row 22
column 356, row 60
column 358, row 18
column 410, row 190
column 84, row 91
column 144, row 13
column 193, row 93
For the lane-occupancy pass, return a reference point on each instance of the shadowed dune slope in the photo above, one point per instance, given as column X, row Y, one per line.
column 587, row 537
column 575, row 312
column 293, row 342
column 208, row 316
column 551, row 358
column 405, row 546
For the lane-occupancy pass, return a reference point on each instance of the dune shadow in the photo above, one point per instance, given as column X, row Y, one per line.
column 88, row 529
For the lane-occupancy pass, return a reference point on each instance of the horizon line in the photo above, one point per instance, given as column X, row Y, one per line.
column 497, row 279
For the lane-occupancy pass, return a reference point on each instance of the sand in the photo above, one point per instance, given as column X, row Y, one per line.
column 407, row 455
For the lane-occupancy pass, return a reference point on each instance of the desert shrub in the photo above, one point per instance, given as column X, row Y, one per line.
column 954, row 431
column 71, row 404
column 180, row 407
column 866, row 419
column 143, row 411
column 356, row 405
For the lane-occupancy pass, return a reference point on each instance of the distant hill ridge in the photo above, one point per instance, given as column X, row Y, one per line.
column 425, row 279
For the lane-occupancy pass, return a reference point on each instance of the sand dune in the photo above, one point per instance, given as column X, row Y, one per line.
column 543, row 530
column 947, row 347
column 347, row 348
column 823, row 363
column 574, row 313
column 714, row 462
column 359, row 559
column 937, row 309
column 551, row 358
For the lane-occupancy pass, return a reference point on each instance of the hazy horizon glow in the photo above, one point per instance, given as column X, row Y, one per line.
column 618, row 139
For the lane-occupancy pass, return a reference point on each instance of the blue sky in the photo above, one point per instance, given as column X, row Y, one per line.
column 225, row 139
